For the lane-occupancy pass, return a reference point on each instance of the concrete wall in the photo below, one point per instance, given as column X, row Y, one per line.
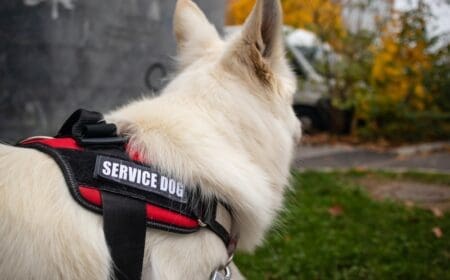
column 96, row 56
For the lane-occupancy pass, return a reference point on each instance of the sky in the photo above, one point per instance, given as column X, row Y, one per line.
column 440, row 23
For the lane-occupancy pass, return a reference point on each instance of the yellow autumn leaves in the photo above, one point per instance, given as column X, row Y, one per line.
column 384, row 71
column 399, row 66
column 309, row 14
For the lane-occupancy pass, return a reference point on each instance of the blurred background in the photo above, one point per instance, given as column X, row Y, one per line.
column 371, row 69
column 60, row 55
column 371, row 180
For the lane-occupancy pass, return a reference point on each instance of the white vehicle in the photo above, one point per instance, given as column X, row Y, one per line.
column 307, row 54
column 309, row 57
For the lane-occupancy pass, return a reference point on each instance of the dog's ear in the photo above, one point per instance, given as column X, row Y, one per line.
column 194, row 34
column 260, row 45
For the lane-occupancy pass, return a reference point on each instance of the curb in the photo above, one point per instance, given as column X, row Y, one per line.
column 421, row 148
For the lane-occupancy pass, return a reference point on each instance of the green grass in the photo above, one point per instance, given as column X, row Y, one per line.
column 369, row 240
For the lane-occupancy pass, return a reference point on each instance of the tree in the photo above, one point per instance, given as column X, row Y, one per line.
column 386, row 75
column 320, row 16
column 401, row 60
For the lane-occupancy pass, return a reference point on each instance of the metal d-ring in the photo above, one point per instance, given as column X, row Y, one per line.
column 230, row 259
column 201, row 223
column 221, row 273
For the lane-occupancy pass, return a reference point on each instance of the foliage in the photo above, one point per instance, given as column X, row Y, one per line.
column 408, row 83
column 437, row 79
column 323, row 17
column 320, row 16
column 401, row 61
column 332, row 230
column 387, row 76
column 238, row 10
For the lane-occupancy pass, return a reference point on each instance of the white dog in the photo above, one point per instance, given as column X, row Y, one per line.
column 224, row 123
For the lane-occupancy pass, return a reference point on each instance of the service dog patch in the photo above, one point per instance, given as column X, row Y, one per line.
column 139, row 177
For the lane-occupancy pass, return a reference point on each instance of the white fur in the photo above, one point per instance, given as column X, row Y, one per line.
column 220, row 124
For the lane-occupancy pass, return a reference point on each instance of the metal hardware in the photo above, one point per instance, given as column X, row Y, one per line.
column 201, row 223
column 221, row 273
column 230, row 259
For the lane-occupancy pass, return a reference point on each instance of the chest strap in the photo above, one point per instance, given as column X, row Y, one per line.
column 131, row 196
column 124, row 228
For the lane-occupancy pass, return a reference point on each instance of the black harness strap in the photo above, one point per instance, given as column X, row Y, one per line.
column 93, row 163
column 124, row 219
column 124, row 224
column 209, row 218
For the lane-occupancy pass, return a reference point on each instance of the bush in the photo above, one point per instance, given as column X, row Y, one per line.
column 399, row 127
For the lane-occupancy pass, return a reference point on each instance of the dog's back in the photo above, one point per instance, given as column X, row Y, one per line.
column 44, row 233
column 224, row 123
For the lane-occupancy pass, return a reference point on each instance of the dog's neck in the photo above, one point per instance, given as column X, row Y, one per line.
column 224, row 155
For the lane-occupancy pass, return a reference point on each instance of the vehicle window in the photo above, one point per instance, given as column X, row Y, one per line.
column 298, row 69
column 316, row 57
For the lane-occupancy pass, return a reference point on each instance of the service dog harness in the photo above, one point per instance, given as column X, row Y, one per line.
column 104, row 176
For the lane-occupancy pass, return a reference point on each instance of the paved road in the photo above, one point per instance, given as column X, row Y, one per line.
column 433, row 157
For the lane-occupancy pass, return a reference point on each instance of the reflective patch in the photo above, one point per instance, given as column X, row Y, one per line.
column 139, row 177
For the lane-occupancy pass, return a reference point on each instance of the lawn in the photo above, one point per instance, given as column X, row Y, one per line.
column 331, row 229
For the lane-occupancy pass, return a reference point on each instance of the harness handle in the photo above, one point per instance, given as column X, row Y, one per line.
column 89, row 128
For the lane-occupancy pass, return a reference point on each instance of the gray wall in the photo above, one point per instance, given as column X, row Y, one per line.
column 97, row 56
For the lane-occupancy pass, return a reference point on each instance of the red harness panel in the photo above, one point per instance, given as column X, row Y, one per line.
column 57, row 143
column 104, row 175
column 93, row 195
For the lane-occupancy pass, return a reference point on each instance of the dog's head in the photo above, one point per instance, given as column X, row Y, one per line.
column 245, row 85
column 250, row 63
